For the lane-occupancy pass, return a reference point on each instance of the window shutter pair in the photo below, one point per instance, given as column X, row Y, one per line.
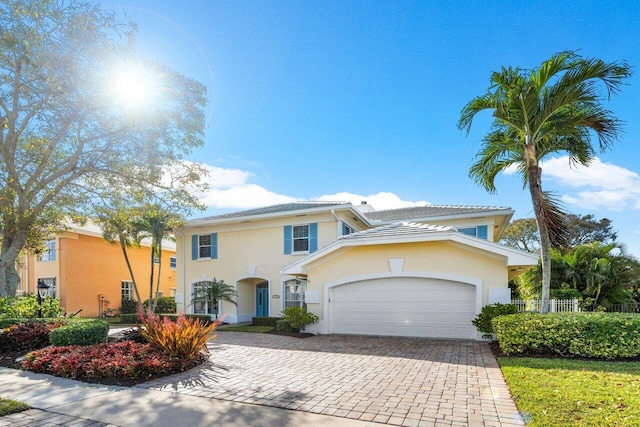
column 288, row 238
column 194, row 246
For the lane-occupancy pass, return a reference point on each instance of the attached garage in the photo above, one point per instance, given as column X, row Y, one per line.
column 403, row 306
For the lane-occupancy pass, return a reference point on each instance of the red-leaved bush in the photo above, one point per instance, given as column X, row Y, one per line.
column 26, row 336
column 111, row 363
column 185, row 338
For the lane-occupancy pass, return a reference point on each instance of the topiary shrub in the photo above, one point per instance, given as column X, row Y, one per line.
column 80, row 332
column 587, row 335
column 482, row 322
column 299, row 317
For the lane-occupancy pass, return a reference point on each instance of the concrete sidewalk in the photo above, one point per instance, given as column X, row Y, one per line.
column 64, row 402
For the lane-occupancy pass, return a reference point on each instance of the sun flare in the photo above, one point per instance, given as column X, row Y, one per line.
column 134, row 86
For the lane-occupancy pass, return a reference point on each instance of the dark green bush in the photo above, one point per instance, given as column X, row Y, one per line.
column 482, row 322
column 284, row 325
column 265, row 321
column 164, row 305
column 80, row 332
column 587, row 335
column 299, row 317
column 132, row 319
column 129, row 306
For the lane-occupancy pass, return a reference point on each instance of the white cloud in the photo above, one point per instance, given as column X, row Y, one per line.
column 231, row 189
column 599, row 186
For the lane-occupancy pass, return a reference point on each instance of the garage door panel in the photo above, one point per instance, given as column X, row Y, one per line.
column 404, row 307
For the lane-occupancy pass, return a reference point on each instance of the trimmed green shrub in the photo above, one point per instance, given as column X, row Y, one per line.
column 299, row 317
column 134, row 319
column 587, row 335
column 284, row 325
column 80, row 332
column 265, row 321
column 164, row 305
column 482, row 322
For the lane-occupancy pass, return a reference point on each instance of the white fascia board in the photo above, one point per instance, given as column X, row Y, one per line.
column 301, row 212
column 513, row 256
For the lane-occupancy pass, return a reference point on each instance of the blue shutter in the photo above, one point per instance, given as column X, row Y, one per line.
column 344, row 229
column 482, row 232
column 313, row 237
column 194, row 247
column 288, row 239
column 214, row 245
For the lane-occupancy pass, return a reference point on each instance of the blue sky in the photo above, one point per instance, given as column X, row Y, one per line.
column 359, row 100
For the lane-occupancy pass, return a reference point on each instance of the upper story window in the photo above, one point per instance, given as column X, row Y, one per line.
column 346, row 229
column 49, row 253
column 301, row 239
column 481, row 231
column 204, row 246
column 173, row 262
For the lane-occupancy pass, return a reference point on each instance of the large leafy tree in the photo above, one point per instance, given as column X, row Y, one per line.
column 65, row 140
column 580, row 229
column 549, row 109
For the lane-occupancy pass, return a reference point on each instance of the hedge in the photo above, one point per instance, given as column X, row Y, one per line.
column 265, row 321
column 284, row 325
column 80, row 332
column 586, row 335
column 135, row 319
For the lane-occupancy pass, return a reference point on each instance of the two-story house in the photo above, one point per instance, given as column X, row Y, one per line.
column 424, row 271
column 87, row 273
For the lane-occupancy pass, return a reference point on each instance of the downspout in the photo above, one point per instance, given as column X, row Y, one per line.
column 338, row 221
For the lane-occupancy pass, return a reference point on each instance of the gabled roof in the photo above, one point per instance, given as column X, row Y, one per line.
column 285, row 209
column 411, row 232
column 435, row 211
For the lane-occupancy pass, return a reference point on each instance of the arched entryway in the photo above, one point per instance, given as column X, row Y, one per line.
column 253, row 298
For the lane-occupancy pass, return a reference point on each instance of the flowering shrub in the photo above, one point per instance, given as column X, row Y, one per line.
column 26, row 336
column 122, row 362
column 185, row 339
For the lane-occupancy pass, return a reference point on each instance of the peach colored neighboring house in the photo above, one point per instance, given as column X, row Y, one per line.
column 87, row 273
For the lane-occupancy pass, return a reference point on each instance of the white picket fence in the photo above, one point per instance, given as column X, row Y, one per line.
column 555, row 305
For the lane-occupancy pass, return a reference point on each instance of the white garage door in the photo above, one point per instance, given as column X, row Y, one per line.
column 403, row 306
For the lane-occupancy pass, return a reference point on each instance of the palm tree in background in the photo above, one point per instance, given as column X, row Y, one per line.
column 550, row 109
column 211, row 292
column 155, row 223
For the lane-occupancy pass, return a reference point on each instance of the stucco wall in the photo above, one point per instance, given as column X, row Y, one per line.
column 433, row 257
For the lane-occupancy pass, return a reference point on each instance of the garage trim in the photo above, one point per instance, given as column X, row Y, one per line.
column 326, row 328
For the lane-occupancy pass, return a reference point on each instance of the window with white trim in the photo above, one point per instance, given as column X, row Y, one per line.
column 294, row 293
column 301, row 238
column 204, row 246
column 347, row 229
column 51, row 283
column 49, row 253
column 479, row 231
column 173, row 262
column 201, row 302
column 127, row 292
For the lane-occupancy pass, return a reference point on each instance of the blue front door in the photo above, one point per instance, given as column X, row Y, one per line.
column 262, row 302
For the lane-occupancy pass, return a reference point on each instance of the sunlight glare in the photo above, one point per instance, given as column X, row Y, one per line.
column 134, row 86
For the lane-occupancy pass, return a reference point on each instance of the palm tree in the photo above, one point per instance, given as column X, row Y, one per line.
column 549, row 109
column 155, row 223
column 213, row 291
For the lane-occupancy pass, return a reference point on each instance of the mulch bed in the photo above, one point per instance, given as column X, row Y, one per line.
column 8, row 359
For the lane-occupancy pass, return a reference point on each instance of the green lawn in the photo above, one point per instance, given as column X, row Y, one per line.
column 11, row 406
column 249, row 328
column 562, row 392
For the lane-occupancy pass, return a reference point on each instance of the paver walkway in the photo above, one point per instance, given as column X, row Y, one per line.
column 398, row 381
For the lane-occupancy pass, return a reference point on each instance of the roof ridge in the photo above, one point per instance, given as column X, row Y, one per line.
column 431, row 205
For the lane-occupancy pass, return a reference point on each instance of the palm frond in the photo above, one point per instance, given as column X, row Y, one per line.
column 555, row 220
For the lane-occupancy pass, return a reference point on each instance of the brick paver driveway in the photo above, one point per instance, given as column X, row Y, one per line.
column 398, row 381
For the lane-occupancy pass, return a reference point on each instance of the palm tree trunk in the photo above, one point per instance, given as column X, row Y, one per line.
column 126, row 258
column 155, row 297
column 534, row 175
column 151, row 306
